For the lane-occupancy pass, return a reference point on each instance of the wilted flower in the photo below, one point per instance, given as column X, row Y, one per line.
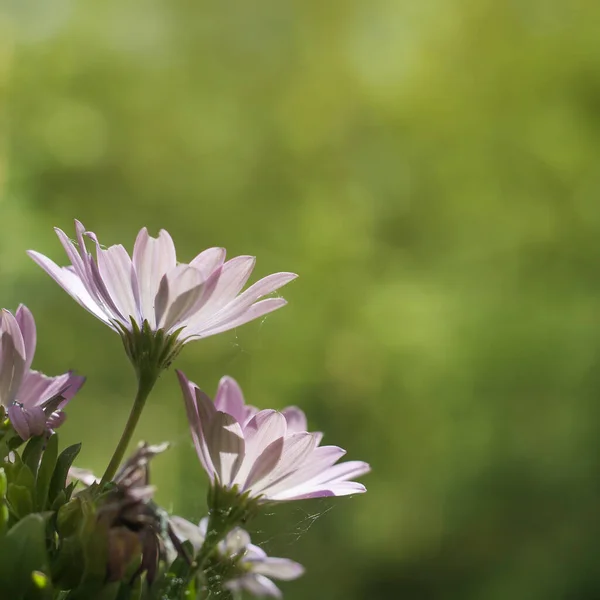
column 134, row 525
column 33, row 401
column 239, row 564
column 151, row 293
column 264, row 455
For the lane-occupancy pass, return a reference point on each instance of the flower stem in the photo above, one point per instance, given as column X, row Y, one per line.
column 145, row 385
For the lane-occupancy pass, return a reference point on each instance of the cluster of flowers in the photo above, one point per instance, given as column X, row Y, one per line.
column 252, row 457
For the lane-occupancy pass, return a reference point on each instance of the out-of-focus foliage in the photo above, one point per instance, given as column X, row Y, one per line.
column 430, row 170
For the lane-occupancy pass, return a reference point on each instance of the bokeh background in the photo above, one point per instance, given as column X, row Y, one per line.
column 430, row 169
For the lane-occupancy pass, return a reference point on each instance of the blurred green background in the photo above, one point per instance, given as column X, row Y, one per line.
column 430, row 169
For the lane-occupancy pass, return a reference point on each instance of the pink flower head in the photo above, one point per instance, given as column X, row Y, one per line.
column 265, row 454
column 201, row 298
column 251, row 565
column 33, row 401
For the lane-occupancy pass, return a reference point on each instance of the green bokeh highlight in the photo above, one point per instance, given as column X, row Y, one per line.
column 430, row 171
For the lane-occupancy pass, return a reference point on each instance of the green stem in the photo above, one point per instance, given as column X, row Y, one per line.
column 145, row 386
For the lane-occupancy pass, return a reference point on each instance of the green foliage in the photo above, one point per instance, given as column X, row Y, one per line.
column 59, row 492
column 57, row 547
column 24, row 560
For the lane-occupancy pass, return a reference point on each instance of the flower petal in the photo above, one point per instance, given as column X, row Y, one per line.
column 264, row 464
column 185, row 285
column 229, row 398
column 296, row 419
column 235, row 309
column 344, row 471
column 345, row 488
column 257, row 310
column 37, row 388
column 27, row 422
column 257, row 585
column 225, row 442
column 73, row 285
column 26, row 324
column 264, row 435
column 118, row 274
column 236, row 541
column 12, row 358
column 297, row 448
column 200, row 411
column 233, row 276
column 185, row 530
column 311, row 470
column 152, row 259
column 279, row 568
column 208, row 261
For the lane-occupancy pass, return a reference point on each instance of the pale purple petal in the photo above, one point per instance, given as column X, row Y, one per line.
column 233, row 276
column 79, row 259
column 12, row 358
column 229, row 398
column 254, row 554
column 84, row 266
column 257, row 310
column 344, row 471
column 320, row 461
column 297, row 447
column 10, row 326
column 225, row 442
column 264, row 435
column 26, row 324
column 278, row 568
column 235, row 542
column 37, row 388
column 258, row 585
column 264, row 465
column 161, row 301
column 118, row 274
column 345, row 488
column 195, row 403
column 262, row 429
column 296, row 419
column 185, row 530
column 185, row 285
column 72, row 284
column 27, row 422
column 56, row 419
column 209, row 260
column 203, row 526
column 234, row 310
column 84, row 475
column 73, row 385
column 152, row 259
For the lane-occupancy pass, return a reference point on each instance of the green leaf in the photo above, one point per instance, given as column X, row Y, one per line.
column 25, row 477
column 68, row 566
column 33, row 452
column 175, row 582
column 45, row 472
column 61, row 471
column 19, row 499
column 23, row 552
column 96, row 591
column 40, row 580
column 4, row 514
column 131, row 591
column 59, row 501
